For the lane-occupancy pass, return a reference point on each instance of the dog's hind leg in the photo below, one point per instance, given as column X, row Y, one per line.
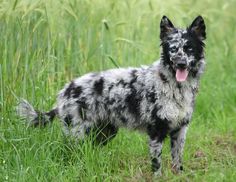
column 105, row 133
column 177, row 145
column 74, row 126
column 80, row 131
column 101, row 133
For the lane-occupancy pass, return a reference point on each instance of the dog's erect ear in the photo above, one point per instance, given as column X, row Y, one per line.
column 166, row 27
column 199, row 28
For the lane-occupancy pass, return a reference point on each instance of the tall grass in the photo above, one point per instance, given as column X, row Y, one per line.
column 46, row 43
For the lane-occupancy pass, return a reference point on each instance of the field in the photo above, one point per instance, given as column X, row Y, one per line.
column 46, row 43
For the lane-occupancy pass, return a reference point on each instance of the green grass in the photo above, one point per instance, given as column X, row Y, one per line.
column 46, row 43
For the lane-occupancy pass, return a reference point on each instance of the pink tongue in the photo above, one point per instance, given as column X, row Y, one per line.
column 181, row 75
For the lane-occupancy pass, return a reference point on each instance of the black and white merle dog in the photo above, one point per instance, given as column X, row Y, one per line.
column 158, row 99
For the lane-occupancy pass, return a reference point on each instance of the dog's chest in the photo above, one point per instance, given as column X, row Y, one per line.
column 176, row 105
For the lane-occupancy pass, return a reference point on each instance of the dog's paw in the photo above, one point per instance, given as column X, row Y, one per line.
column 176, row 169
column 157, row 173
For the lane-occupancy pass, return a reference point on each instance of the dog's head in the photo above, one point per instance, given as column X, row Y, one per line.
column 182, row 49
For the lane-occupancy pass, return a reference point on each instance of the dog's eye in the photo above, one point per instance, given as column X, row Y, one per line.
column 188, row 49
column 173, row 49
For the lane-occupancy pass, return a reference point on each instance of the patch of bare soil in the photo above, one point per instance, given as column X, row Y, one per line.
column 225, row 143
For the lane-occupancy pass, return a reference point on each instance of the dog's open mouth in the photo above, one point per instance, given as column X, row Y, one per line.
column 181, row 75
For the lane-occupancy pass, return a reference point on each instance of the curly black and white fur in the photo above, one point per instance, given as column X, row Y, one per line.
column 158, row 99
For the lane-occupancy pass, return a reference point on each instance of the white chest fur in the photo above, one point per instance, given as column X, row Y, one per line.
column 177, row 103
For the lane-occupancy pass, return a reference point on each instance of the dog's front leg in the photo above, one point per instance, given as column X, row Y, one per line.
column 177, row 145
column 155, row 150
column 157, row 132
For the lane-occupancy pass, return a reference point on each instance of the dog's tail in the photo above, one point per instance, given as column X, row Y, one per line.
column 34, row 117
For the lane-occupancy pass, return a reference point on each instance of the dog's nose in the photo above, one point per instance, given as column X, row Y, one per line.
column 180, row 53
column 181, row 64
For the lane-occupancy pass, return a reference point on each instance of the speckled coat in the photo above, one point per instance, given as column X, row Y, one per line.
column 148, row 98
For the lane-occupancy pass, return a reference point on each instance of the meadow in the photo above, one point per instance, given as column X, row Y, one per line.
column 45, row 43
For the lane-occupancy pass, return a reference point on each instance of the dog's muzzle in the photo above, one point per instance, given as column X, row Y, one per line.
column 181, row 64
column 181, row 70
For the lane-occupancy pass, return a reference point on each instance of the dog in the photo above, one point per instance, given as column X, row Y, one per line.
column 157, row 99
